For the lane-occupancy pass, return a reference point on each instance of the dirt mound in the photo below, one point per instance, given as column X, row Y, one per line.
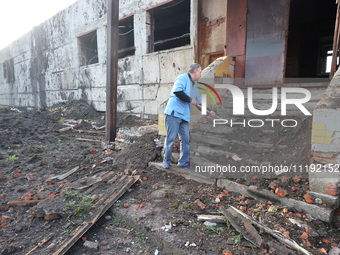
column 138, row 154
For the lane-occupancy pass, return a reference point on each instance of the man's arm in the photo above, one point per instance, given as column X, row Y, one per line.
column 184, row 97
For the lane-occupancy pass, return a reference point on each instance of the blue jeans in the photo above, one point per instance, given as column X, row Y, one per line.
column 173, row 127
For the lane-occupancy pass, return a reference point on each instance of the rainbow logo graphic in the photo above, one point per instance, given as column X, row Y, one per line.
column 208, row 92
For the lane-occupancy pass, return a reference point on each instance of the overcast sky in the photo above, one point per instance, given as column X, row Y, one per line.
column 17, row 17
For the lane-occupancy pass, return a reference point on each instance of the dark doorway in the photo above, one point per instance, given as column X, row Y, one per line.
column 310, row 38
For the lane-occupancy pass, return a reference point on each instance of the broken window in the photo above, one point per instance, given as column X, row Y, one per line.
column 126, row 43
column 9, row 71
column 168, row 26
column 88, row 48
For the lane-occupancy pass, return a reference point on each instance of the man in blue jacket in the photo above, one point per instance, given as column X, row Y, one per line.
column 184, row 95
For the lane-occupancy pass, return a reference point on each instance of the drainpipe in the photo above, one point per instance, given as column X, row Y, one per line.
column 112, row 70
column 194, row 28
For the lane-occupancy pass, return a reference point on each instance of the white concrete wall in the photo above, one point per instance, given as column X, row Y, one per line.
column 47, row 66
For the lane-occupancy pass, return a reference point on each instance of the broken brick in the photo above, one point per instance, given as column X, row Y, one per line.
column 286, row 234
column 331, row 185
column 198, row 205
column 127, row 172
column 52, row 216
column 323, row 250
column 126, row 205
column 296, row 179
column 243, row 208
column 331, row 192
column 281, row 192
column 48, row 182
column 304, row 236
column 17, row 171
column 308, row 198
column 226, row 192
column 4, row 219
column 220, row 197
column 285, row 210
column 104, row 243
column 31, row 177
column 325, row 241
column 283, row 179
column 273, row 185
column 17, row 175
column 4, row 208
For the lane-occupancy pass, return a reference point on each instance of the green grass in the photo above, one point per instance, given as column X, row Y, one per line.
column 77, row 203
column 13, row 158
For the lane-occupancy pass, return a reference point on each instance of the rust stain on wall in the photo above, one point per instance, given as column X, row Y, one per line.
column 207, row 27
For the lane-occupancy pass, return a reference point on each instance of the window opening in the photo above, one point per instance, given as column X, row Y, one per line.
column 168, row 26
column 8, row 67
column 126, row 41
column 88, row 48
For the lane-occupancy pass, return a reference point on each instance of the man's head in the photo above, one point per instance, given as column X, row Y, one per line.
column 195, row 71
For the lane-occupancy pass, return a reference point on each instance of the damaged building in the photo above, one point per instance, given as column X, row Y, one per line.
column 266, row 44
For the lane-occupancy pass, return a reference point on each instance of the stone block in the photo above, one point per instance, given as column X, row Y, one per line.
column 91, row 246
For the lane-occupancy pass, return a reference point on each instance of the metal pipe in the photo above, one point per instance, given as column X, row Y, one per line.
column 112, row 70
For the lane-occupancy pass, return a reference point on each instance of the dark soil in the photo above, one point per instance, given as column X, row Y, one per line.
column 32, row 151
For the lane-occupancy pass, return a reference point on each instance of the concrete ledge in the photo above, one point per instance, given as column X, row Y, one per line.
column 334, row 201
column 316, row 211
column 187, row 174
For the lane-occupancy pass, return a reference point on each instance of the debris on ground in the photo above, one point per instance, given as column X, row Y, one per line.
column 63, row 192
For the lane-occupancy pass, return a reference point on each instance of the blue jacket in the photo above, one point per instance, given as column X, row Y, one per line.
column 182, row 109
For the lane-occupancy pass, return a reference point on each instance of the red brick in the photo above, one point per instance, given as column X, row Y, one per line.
column 281, row 192
column 49, row 182
column 273, row 185
column 296, row 179
column 3, row 219
column 17, row 175
column 283, row 179
column 226, row 192
column 198, row 205
column 31, row 177
column 331, row 185
column 52, row 216
column 220, row 197
column 308, row 199
column 331, row 192
column 127, row 172
column 304, row 236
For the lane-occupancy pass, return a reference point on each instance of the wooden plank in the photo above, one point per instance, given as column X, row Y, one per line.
column 24, row 202
column 243, row 226
column 291, row 243
column 109, row 175
column 211, row 218
column 106, row 204
column 63, row 176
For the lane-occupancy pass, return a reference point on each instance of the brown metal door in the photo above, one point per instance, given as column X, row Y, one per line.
column 267, row 28
column 236, row 35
